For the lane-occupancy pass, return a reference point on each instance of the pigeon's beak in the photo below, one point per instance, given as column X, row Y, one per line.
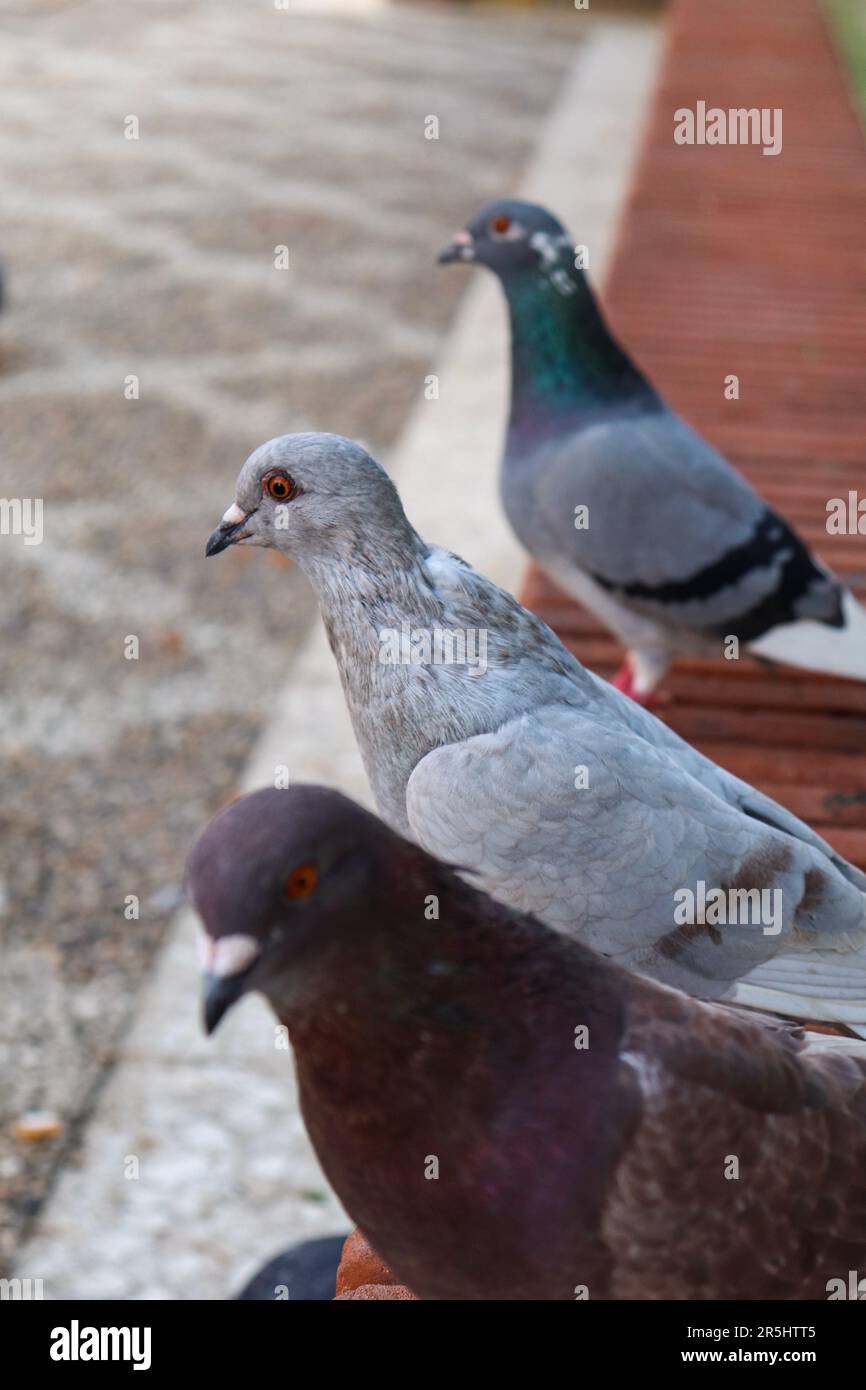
column 219, row 995
column 229, row 532
column 228, row 963
column 462, row 248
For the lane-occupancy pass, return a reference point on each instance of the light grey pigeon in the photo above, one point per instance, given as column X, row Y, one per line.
column 622, row 503
column 487, row 742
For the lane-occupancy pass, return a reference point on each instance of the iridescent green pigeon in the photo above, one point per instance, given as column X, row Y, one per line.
column 622, row 503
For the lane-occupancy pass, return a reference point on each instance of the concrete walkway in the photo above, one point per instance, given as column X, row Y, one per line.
column 222, row 1175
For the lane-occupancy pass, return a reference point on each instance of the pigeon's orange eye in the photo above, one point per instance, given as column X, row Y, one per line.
column 279, row 486
column 500, row 225
column 302, row 881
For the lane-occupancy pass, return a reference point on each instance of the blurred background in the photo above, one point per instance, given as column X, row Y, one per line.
column 148, row 342
column 154, row 258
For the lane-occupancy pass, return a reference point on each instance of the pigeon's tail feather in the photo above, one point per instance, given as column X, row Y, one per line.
column 837, row 1042
column 825, row 986
column 835, row 651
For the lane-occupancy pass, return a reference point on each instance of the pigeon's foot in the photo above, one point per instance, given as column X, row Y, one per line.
column 629, row 680
column 624, row 680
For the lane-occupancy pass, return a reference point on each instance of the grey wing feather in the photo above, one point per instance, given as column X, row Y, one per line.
column 672, row 527
column 731, row 789
column 604, row 862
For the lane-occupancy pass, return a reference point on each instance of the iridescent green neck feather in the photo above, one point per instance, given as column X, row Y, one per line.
column 565, row 363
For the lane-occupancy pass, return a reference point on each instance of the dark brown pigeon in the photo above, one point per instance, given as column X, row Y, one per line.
column 503, row 1112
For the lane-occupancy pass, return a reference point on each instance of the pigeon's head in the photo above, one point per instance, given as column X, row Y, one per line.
column 511, row 237
column 310, row 495
column 281, row 878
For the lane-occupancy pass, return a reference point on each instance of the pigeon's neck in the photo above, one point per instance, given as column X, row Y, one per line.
column 564, row 361
column 370, row 585
column 429, row 653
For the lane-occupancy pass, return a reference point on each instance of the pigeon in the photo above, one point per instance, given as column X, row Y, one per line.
column 304, row 1273
column 488, row 743
column 622, row 503
column 504, row 1113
